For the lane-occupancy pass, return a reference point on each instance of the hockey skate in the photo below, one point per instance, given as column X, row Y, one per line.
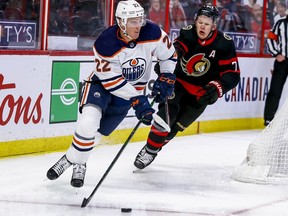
column 78, row 175
column 58, row 168
column 144, row 158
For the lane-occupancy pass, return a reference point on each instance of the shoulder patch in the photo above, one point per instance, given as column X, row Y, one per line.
column 150, row 31
column 227, row 37
column 107, row 44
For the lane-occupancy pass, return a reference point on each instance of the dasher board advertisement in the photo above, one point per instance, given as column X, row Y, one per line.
column 39, row 96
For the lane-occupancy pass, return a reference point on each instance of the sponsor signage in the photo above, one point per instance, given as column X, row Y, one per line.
column 18, row 35
column 64, row 92
column 244, row 42
column 17, row 109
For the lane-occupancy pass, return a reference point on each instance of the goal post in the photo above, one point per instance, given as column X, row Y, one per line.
column 267, row 155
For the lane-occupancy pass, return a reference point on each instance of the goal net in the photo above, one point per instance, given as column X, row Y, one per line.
column 267, row 155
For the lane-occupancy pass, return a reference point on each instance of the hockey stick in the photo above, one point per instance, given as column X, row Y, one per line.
column 87, row 200
column 167, row 112
column 160, row 121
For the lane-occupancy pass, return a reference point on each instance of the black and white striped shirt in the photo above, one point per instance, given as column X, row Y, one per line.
column 277, row 38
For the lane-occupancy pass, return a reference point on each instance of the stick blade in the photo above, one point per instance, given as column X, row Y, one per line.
column 85, row 202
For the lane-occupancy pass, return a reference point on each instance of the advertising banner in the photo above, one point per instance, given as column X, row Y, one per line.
column 244, row 42
column 18, row 34
column 39, row 96
column 64, row 92
column 23, row 96
column 248, row 98
column 67, row 78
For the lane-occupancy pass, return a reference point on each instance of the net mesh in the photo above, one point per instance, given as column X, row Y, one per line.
column 267, row 155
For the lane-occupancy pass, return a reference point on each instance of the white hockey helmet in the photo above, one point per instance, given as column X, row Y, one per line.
column 129, row 9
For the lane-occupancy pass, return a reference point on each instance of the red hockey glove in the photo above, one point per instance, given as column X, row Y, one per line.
column 210, row 93
column 143, row 109
column 163, row 86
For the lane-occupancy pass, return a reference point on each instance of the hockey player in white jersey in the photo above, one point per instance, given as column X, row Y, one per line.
column 123, row 66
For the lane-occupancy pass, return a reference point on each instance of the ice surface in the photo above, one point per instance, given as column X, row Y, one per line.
column 190, row 176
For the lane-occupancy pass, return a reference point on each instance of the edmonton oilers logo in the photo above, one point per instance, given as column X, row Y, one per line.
column 133, row 69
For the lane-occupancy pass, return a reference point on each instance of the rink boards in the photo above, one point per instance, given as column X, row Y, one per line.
column 39, row 98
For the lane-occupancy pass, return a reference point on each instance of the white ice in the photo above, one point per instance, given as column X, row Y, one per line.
column 190, row 176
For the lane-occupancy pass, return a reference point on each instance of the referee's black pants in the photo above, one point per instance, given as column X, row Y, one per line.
column 278, row 80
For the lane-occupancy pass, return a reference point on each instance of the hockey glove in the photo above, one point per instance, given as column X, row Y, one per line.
column 143, row 109
column 163, row 86
column 210, row 93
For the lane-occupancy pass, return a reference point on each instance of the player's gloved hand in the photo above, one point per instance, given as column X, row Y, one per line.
column 143, row 109
column 210, row 93
column 163, row 86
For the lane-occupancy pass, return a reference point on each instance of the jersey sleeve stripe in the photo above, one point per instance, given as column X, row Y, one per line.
column 115, row 82
column 229, row 71
column 140, row 86
column 111, row 79
column 228, row 61
column 183, row 46
column 192, row 89
column 117, row 87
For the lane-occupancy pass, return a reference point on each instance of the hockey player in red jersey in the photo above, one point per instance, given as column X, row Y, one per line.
column 123, row 65
column 207, row 68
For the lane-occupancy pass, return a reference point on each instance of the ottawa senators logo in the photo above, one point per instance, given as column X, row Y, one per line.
column 196, row 66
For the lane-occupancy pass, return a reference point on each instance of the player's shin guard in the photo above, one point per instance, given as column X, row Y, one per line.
column 171, row 135
column 78, row 153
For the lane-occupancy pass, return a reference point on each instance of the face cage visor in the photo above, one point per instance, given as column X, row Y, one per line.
column 136, row 21
column 207, row 14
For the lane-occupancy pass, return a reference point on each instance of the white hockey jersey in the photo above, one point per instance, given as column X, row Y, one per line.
column 125, row 68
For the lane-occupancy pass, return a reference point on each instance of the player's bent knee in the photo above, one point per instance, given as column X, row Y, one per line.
column 89, row 121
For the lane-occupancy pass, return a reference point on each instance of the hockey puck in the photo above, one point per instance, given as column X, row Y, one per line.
column 126, row 210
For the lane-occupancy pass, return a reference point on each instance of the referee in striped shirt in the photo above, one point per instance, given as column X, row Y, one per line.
column 277, row 41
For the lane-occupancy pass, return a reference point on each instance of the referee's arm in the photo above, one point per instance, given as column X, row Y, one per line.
column 277, row 39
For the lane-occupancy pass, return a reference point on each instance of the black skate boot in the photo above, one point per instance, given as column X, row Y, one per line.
column 78, row 175
column 144, row 158
column 58, row 168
